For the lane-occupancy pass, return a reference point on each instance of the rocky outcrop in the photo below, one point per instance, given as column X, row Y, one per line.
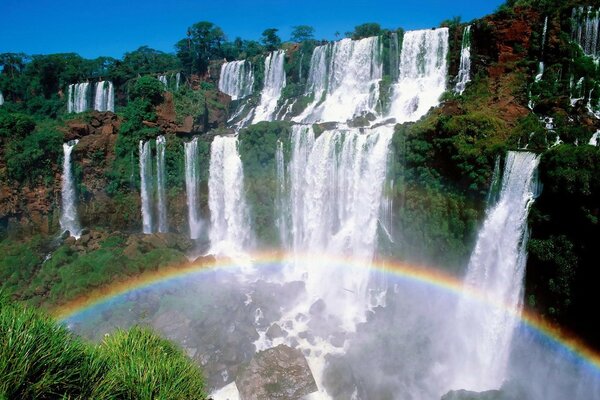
column 97, row 123
column 142, row 243
column 277, row 373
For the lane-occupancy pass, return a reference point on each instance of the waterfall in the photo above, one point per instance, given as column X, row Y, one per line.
column 336, row 192
column 161, row 145
column 146, row 187
column 540, row 72
column 163, row 79
column 496, row 271
column 104, row 99
column 69, row 219
column 281, row 211
column 229, row 228
column 237, row 79
column 584, row 25
column 78, row 97
column 394, row 56
column 464, row 70
column 423, row 70
column 192, row 178
column 1, row 99
column 177, row 80
column 594, row 141
column 494, row 189
column 274, row 82
column 344, row 80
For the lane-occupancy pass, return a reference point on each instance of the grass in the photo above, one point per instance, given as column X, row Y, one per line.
column 40, row 359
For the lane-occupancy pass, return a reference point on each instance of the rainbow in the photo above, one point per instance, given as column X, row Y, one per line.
column 409, row 272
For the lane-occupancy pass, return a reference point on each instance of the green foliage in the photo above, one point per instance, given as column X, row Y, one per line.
column 123, row 173
column 19, row 262
column 35, row 83
column 143, row 61
column 365, row 30
column 41, row 359
column 437, row 194
column 258, row 144
column 562, row 268
column 302, row 33
column 203, row 43
column 33, row 156
column 14, row 125
column 270, row 39
column 148, row 88
column 69, row 273
column 141, row 365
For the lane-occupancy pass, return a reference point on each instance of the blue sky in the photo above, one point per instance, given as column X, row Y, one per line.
column 112, row 27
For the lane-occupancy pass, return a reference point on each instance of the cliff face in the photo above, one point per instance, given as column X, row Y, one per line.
column 32, row 207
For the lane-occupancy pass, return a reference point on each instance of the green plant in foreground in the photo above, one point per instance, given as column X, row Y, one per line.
column 40, row 359
column 141, row 365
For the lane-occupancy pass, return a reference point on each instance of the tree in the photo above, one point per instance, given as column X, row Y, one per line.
column 366, row 30
column 302, row 33
column 270, row 39
column 148, row 88
column 203, row 43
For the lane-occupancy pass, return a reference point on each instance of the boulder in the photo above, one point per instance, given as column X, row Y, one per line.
column 277, row 373
column 275, row 331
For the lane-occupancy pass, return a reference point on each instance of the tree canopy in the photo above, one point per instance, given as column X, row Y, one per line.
column 202, row 44
column 302, row 33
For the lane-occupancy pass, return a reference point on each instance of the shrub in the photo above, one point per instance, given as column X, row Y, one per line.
column 148, row 88
column 39, row 359
column 141, row 365
column 34, row 155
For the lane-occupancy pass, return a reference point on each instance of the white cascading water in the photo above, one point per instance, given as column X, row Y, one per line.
column 104, row 99
column 394, row 56
column 1, row 99
column 78, row 94
column 585, row 23
column 163, row 79
column 69, row 218
column 540, row 73
column 336, row 192
column 274, row 82
column 423, row 71
column 161, row 181
column 496, row 272
column 192, row 189
column 237, row 79
column 344, row 79
column 229, row 224
column 464, row 69
column 595, row 140
column 330, row 196
column 146, row 186
column 281, row 204
column 177, row 80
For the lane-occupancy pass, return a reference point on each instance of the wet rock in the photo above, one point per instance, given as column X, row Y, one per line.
column 338, row 339
column 317, row 307
column 275, row 331
column 203, row 260
column 84, row 239
column 277, row 373
column 358, row 122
